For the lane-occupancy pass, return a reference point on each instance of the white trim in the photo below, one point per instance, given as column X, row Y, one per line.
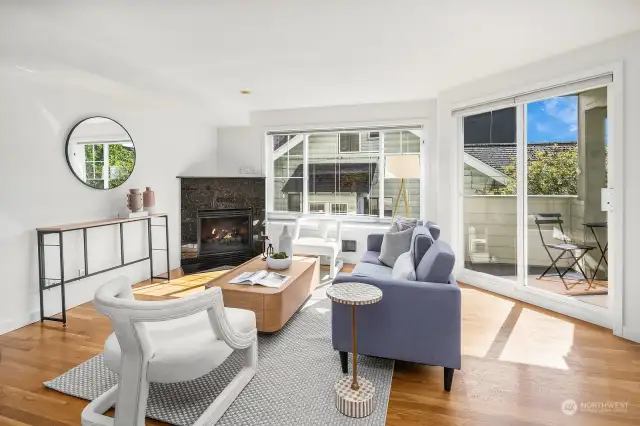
column 486, row 169
column 615, row 178
column 305, row 175
column 381, row 172
column 521, row 201
column 511, row 93
column 344, row 218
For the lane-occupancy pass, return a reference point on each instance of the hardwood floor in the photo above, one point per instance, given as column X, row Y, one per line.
column 519, row 364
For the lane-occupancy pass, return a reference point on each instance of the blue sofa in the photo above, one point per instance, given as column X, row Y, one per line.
column 417, row 321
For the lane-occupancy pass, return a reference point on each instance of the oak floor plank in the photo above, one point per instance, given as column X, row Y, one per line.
column 520, row 363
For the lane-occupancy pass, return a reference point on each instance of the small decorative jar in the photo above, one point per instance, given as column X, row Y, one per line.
column 134, row 200
column 149, row 200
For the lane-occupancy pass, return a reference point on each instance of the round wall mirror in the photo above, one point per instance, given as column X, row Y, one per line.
column 100, row 153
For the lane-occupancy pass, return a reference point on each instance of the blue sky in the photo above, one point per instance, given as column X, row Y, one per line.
column 553, row 120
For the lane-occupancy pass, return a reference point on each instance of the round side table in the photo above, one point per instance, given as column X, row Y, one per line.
column 354, row 396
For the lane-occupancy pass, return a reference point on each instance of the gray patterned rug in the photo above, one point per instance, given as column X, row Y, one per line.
column 297, row 368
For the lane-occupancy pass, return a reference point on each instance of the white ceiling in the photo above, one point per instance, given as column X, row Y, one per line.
column 296, row 53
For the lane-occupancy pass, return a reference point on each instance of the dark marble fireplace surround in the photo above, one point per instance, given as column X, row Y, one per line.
column 200, row 194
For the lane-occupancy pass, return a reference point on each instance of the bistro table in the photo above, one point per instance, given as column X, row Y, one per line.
column 603, row 251
column 354, row 396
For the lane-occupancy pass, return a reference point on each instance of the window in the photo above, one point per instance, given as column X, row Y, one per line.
column 287, row 172
column 372, row 206
column 294, row 202
column 343, row 173
column 317, row 207
column 493, row 127
column 94, row 165
column 339, row 208
column 349, row 142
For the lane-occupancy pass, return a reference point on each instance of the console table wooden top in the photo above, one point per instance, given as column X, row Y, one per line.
column 96, row 223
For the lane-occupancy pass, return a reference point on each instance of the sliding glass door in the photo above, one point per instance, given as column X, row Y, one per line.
column 490, row 193
column 534, row 169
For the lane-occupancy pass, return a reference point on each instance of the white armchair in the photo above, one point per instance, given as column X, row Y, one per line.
column 317, row 242
column 167, row 342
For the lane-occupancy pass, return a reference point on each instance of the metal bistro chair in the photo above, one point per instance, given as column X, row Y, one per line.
column 565, row 247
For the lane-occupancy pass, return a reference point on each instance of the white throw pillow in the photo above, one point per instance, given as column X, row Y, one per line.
column 404, row 268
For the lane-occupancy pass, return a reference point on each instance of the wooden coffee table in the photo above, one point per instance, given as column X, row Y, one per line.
column 273, row 306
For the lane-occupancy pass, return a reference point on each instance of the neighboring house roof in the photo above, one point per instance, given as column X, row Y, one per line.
column 354, row 177
column 499, row 155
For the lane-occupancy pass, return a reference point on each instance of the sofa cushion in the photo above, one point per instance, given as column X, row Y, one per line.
column 393, row 245
column 436, row 264
column 371, row 257
column 404, row 268
column 371, row 270
column 421, row 240
column 434, row 229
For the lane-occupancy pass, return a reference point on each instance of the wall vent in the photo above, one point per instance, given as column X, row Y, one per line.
column 348, row 245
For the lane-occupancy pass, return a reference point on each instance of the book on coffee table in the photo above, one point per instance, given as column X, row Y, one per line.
column 265, row 278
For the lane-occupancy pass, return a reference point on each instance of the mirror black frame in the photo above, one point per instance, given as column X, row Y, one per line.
column 66, row 151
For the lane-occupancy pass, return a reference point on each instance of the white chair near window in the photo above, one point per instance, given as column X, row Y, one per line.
column 168, row 342
column 314, row 240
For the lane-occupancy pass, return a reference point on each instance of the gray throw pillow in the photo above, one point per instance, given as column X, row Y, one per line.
column 400, row 223
column 393, row 245
column 404, row 268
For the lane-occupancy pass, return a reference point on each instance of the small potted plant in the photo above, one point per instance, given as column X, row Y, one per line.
column 278, row 261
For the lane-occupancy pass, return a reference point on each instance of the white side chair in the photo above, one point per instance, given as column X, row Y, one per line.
column 167, row 342
column 316, row 241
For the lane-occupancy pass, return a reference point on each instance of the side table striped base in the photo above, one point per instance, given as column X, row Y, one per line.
column 354, row 403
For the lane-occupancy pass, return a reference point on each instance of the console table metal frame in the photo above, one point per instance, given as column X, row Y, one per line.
column 60, row 230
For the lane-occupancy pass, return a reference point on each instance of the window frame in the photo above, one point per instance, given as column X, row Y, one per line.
column 340, row 151
column 333, row 204
column 378, row 157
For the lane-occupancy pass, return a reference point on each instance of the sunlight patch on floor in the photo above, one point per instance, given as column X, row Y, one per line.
column 484, row 316
column 539, row 339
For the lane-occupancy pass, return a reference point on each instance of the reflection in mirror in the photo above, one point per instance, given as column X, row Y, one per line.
column 100, row 153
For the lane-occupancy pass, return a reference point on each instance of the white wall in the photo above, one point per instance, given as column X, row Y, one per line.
column 240, row 152
column 444, row 170
column 37, row 110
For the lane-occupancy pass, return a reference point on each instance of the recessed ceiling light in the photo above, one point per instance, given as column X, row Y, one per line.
column 245, row 91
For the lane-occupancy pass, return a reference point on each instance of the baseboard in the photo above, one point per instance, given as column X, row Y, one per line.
column 16, row 323
column 631, row 334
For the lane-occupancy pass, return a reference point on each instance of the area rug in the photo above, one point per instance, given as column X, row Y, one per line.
column 297, row 369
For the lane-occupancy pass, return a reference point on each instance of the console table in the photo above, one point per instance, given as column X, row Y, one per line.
column 45, row 282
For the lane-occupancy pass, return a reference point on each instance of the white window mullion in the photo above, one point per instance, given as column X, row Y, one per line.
column 521, row 198
column 305, row 175
column 381, row 177
column 105, row 165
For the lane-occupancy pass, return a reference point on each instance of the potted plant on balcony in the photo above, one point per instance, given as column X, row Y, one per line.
column 278, row 261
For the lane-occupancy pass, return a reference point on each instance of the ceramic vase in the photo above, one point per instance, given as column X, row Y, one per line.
column 134, row 200
column 149, row 200
column 285, row 242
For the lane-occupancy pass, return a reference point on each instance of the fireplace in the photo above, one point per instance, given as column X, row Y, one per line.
column 225, row 235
